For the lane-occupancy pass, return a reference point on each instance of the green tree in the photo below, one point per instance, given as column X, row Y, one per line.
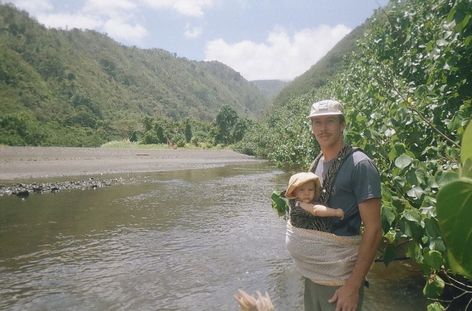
column 188, row 131
column 134, row 136
column 160, row 133
column 239, row 130
column 148, row 123
column 226, row 119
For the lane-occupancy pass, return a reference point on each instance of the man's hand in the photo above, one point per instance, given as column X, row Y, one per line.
column 346, row 298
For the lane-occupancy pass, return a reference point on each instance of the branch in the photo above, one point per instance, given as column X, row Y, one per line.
column 464, row 286
column 411, row 108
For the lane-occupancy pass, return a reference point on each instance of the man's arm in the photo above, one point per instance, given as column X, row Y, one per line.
column 347, row 296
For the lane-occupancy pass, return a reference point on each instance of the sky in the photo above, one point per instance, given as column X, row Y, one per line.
column 261, row 39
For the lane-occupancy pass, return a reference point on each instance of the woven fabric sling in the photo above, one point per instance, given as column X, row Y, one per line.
column 324, row 258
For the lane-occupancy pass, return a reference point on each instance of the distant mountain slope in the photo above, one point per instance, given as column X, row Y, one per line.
column 323, row 70
column 85, row 79
column 270, row 88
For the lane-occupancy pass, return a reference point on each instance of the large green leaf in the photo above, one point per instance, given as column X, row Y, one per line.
column 388, row 215
column 466, row 152
column 436, row 306
column 431, row 227
column 454, row 208
column 403, row 161
column 412, row 214
column 279, row 203
column 415, row 192
column 445, row 177
column 434, row 286
column 433, row 259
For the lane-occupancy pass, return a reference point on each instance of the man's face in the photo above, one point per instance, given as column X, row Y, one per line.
column 328, row 130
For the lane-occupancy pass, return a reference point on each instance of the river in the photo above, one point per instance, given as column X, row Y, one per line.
column 183, row 240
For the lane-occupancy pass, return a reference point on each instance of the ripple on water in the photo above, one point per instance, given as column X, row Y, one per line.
column 176, row 241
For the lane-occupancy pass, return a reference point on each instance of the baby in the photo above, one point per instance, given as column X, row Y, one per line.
column 303, row 190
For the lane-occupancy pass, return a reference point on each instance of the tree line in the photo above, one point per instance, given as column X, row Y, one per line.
column 228, row 128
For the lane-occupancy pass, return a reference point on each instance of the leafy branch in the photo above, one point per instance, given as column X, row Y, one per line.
column 408, row 102
column 405, row 99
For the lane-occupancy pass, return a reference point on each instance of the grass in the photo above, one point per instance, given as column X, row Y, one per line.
column 126, row 144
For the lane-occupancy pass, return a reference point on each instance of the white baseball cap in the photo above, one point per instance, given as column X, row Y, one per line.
column 327, row 107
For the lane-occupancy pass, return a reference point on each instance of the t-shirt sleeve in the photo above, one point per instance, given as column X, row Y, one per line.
column 366, row 181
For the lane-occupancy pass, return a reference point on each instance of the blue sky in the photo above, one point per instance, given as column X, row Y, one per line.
column 261, row 39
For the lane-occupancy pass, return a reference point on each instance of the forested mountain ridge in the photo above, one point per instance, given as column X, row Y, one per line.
column 84, row 82
column 270, row 88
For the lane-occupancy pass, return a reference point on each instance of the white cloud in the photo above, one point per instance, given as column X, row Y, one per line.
column 192, row 32
column 64, row 20
column 32, row 6
column 121, row 30
column 111, row 16
column 281, row 57
column 110, row 8
column 103, row 5
column 184, row 7
column 115, row 17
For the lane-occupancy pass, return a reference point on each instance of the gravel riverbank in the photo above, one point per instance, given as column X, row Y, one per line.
column 23, row 168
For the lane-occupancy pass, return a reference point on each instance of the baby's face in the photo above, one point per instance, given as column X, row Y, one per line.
column 306, row 192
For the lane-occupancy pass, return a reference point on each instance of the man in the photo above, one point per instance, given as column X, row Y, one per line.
column 352, row 184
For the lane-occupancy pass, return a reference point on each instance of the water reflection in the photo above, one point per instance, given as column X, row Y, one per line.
column 184, row 240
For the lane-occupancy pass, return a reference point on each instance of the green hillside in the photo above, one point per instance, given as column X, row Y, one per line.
column 84, row 84
column 270, row 88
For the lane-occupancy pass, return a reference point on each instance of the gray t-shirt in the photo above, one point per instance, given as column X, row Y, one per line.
column 357, row 180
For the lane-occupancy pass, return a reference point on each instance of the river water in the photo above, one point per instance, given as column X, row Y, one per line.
column 184, row 240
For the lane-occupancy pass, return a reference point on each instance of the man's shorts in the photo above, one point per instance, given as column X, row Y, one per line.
column 316, row 297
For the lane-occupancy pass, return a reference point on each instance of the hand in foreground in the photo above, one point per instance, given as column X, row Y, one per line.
column 249, row 303
column 346, row 298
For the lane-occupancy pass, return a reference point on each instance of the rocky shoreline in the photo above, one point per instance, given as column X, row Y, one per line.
column 23, row 190
column 28, row 170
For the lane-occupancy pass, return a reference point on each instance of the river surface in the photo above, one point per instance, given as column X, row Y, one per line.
column 184, row 240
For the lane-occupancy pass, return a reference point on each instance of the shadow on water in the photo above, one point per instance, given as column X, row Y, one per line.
column 184, row 240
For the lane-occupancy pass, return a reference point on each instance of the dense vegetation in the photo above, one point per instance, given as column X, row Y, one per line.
column 80, row 88
column 407, row 88
column 227, row 128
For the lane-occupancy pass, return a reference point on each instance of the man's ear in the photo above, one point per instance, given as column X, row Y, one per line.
column 343, row 124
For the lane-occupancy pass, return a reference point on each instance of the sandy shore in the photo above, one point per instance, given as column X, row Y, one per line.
column 23, row 163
